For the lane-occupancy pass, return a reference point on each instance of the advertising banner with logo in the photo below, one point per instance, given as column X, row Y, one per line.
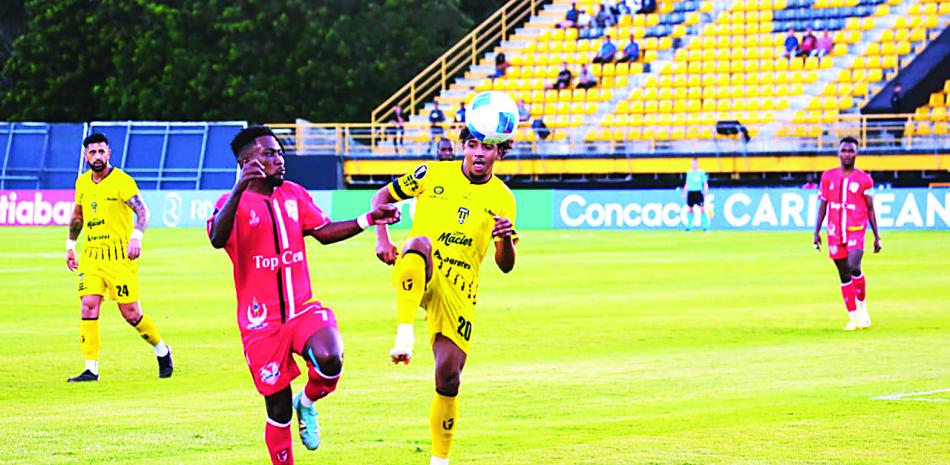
column 36, row 207
column 747, row 209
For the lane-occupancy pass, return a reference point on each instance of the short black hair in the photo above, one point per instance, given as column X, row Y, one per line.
column 465, row 134
column 246, row 137
column 95, row 139
column 848, row 140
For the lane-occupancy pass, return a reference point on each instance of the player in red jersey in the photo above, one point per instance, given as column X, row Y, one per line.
column 846, row 198
column 261, row 224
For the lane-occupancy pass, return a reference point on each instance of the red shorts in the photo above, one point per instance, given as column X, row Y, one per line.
column 269, row 352
column 855, row 241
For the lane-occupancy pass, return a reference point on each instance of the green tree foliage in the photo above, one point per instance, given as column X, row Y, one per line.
column 323, row 60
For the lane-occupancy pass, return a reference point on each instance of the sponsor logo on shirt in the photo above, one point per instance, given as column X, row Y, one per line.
column 270, row 373
column 450, row 261
column 455, row 238
column 256, row 315
column 93, row 223
column 438, row 189
column 288, row 257
column 291, row 207
column 420, row 172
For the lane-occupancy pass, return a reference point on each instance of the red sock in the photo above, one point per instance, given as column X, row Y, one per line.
column 847, row 291
column 859, row 287
column 319, row 386
column 279, row 443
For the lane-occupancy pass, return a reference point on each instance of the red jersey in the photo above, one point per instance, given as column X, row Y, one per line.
column 847, row 205
column 267, row 250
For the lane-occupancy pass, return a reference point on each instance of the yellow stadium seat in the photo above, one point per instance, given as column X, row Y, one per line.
column 650, row 107
column 873, row 49
column 665, row 106
column 637, row 107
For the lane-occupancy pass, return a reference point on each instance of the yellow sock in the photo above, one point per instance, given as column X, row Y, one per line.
column 89, row 339
column 409, row 277
column 443, row 416
column 148, row 330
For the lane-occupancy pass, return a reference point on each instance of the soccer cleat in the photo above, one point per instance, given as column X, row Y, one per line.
column 86, row 375
column 165, row 365
column 864, row 320
column 402, row 349
column 852, row 325
column 307, row 418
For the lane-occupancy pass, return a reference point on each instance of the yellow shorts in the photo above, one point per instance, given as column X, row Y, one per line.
column 117, row 279
column 449, row 312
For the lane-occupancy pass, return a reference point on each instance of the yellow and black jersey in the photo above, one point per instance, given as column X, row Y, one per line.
column 457, row 215
column 106, row 215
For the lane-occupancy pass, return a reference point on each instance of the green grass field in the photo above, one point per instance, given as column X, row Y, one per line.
column 600, row 348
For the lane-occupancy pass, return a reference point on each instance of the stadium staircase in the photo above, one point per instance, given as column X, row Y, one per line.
column 703, row 62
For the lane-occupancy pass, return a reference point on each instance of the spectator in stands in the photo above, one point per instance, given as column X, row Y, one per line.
column 647, row 7
column 809, row 43
column 523, row 113
column 584, row 26
column 436, row 118
column 607, row 51
column 396, row 129
column 570, row 19
column 897, row 97
column 631, row 52
column 444, row 150
column 622, row 8
column 540, row 128
column 825, row 45
column 791, row 44
column 604, row 19
column 460, row 113
column 564, row 78
column 501, row 65
column 586, row 79
column 810, row 182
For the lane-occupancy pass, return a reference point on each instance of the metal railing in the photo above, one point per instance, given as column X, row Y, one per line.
column 435, row 77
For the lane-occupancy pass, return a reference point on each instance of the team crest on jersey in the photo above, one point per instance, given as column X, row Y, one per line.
column 270, row 373
column 256, row 315
column 291, row 207
column 853, row 187
column 255, row 220
column 463, row 214
column 94, row 205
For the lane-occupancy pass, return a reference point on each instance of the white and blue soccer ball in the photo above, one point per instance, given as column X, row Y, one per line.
column 492, row 117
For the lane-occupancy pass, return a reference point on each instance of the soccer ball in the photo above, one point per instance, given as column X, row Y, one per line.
column 492, row 117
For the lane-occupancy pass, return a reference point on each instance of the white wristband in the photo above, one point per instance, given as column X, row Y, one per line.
column 137, row 234
column 70, row 245
column 364, row 220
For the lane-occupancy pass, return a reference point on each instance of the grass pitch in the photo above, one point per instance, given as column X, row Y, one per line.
column 599, row 348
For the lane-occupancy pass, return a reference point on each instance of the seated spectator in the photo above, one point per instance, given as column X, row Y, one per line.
column 540, row 128
column 586, row 79
column 622, row 8
column 825, row 45
column 564, row 78
column 570, row 19
column 460, row 113
column 501, row 65
column 791, row 44
column 436, row 118
column 647, row 7
column 631, row 52
column 604, row 19
column 523, row 113
column 585, row 27
column 607, row 52
column 809, row 43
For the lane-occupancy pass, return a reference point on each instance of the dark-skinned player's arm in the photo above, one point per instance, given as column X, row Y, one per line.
column 75, row 227
column 380, row 216
column 224, row 220
column 504, row 244
column 385, row 249
column 872, row 218
column 822, row 211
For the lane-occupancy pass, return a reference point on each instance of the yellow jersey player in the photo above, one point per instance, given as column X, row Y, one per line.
column 106, row 197
column 461, row 208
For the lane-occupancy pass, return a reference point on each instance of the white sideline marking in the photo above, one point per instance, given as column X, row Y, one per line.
column 21, row 270
column 905, row 395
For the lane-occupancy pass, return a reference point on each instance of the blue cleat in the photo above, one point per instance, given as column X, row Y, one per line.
column 307, row 417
